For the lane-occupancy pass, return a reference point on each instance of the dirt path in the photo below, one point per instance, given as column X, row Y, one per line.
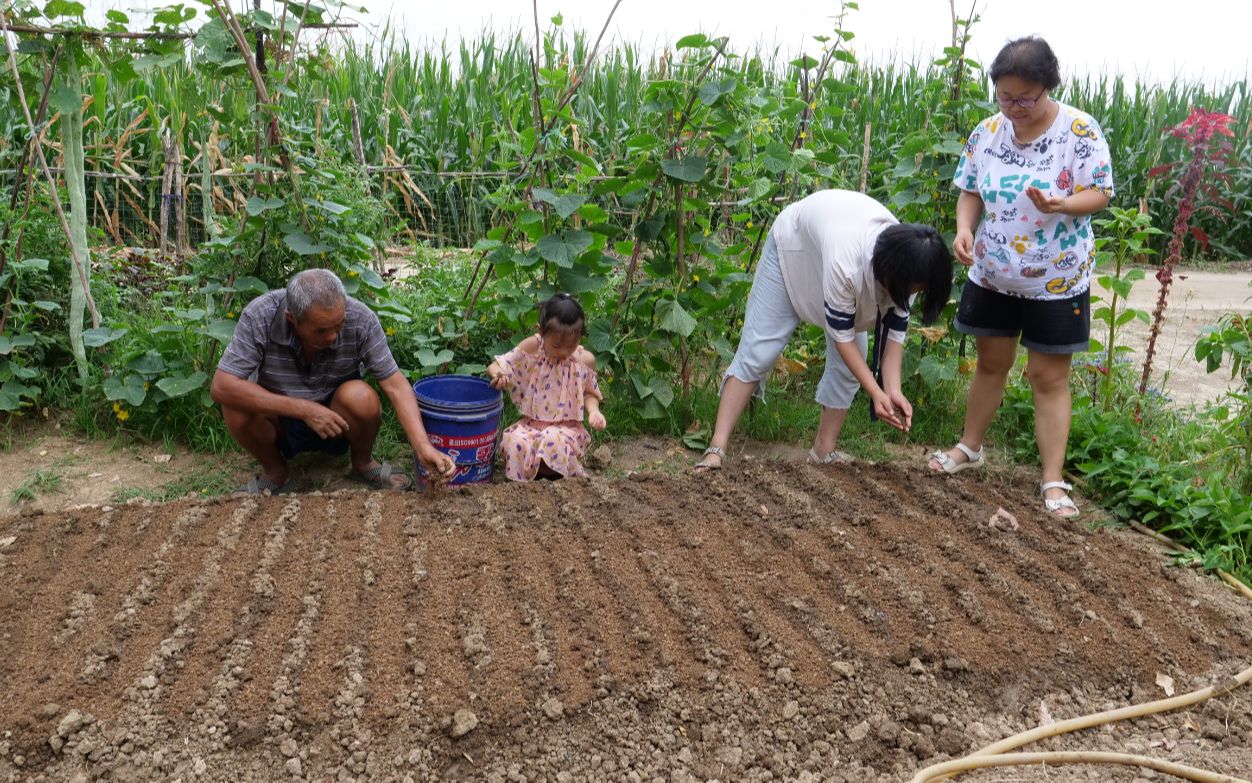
column 774, row 621
column 1197, row 300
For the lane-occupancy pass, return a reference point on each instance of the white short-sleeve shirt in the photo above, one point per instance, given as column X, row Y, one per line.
column 1019, row 250
column 825, row 248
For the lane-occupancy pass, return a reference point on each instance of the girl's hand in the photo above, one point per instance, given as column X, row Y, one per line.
column 963, row 246
column 1048, row 205
column 886, row 410
column 903, row 409
column 498, row 380
column 596, row 420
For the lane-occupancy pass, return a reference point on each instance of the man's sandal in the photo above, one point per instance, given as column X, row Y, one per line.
column 831, row 458
column 975, row 459
column 1057, row 505
column 704, row 465
column 379, row 477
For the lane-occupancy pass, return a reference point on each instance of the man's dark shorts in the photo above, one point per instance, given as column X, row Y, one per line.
column 294, row 437
column 1055, row 326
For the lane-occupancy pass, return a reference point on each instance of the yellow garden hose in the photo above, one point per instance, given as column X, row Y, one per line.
column 1082, row 757
column 994, row 755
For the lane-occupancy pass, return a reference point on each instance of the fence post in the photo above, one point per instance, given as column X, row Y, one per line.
column 357, row 148
column 163, row 213
column 180, row 198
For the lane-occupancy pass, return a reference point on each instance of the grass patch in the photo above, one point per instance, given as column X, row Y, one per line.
column 206, row 481
column 40, row 482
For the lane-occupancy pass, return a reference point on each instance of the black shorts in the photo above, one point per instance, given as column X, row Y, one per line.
column 1057, row 326
column 294, row 437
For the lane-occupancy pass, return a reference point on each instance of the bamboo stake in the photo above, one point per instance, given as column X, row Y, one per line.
column 78, row 263
column 865, row 147
column 358, row 149
column 180, row 198
column 163, row 210
column 75, row 185
column 21, row 179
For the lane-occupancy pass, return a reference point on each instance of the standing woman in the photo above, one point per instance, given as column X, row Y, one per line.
column 839, row 260
column 1030, row 179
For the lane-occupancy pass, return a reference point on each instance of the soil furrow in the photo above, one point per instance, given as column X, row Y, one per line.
column 280, row 602
column 651, row 638
column 444, row 582
column 413, row 710
column 809, row 553
column 684, row 580
column 97, row 635
column 767, row 622
column 248, row 590
column 389, row 610
column 165, row 659
column 552, row 629
column 788, row 655
column 337, row 624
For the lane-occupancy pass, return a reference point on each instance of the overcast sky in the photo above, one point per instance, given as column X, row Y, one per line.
column 1148, row 39
column 1197, row 39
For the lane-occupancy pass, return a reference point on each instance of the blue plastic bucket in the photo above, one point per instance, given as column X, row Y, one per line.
column 461, row 414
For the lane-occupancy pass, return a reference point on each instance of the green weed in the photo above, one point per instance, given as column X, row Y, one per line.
column 40, row 482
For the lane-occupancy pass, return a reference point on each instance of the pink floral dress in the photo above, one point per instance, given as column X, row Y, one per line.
column 550, row 398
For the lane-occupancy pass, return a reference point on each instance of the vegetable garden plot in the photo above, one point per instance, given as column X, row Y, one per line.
column 762, row 623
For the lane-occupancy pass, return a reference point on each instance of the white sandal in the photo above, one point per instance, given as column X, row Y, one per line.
column 832, row 458
column 715, row 451
column 1053, row 505
column 976, row 459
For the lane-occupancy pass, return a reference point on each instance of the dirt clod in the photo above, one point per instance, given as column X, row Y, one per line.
column 463, row 722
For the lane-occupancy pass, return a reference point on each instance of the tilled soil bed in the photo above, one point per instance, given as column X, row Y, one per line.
column 769, row 622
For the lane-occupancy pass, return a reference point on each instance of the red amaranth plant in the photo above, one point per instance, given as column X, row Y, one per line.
column 1202, row 132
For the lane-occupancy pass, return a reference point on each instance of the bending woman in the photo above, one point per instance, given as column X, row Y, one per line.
column 840, row 260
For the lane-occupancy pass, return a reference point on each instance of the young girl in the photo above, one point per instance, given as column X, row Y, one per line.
column 552, row 380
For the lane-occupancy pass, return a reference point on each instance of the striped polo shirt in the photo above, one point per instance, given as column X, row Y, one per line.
column 266, row 350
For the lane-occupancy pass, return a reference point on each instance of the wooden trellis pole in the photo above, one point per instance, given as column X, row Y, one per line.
column 80, row 263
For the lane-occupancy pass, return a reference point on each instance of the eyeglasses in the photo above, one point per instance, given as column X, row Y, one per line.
column 1025, row 103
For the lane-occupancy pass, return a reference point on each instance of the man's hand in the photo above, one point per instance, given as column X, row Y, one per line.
column 439, row 466
column 596, row 420
column 325, row 422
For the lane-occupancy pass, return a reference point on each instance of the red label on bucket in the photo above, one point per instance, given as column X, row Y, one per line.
column 487, row 440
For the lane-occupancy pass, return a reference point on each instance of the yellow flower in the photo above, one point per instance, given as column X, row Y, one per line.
column 391, row 330
column 695, row 278
column 351, row 274
column 146, row 385
column 231, row 314
column 122, row 413
column 803, row 135
column 812, row 104
column 748, row 224
column 117, row 407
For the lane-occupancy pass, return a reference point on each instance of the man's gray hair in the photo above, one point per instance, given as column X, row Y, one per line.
column 313, row 288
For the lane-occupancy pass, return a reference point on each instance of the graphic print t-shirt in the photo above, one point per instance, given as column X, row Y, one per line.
column 1019, row 250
